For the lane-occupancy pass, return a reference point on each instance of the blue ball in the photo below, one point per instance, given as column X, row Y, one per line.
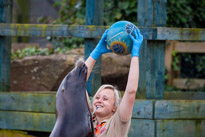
column 118, row 39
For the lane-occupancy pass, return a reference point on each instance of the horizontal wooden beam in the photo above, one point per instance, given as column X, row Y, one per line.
column 176, row 95
column 180, row 128
column 30, row 101
column 180, row 109
column 45, row 103
column 184, row 83
column 189, row 47
column 44, row 30
column 91, row 31
column 164, row 33
column 32, row 121
column 139, row 127
column 27, row 121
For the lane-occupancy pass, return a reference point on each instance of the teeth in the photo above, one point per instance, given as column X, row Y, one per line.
column 98, row 107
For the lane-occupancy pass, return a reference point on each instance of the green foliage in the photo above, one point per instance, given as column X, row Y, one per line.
column 70, row 12
column 193, row 65
column 115, row 10
column 175, row 61
column 31, row 51
column 186, row 13
column 170, row 88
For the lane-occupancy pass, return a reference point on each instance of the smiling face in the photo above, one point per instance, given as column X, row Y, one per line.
column 105, row 103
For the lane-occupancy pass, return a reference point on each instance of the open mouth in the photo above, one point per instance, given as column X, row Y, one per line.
column 98, row 106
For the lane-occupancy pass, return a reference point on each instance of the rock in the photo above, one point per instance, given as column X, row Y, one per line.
column 45, row 73
column 115, row 70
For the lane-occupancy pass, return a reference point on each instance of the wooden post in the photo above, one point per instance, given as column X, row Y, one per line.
column 94, row 16
column 152, row 13
column 22, row 17
column 5, row 46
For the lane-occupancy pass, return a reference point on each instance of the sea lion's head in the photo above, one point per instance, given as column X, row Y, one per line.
column 73, row 85
column 75, row 78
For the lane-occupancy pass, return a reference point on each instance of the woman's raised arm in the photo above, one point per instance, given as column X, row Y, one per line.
column 128, row 100
column 97, row 52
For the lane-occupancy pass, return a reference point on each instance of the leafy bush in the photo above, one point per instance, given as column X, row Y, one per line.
column 186, row 13
column 31, row 51
column 115, row 10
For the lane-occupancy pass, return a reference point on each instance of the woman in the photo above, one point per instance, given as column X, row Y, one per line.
column 112, row 117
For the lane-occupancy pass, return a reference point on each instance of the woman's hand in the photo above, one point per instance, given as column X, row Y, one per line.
column 137, row 42
column 101, row 47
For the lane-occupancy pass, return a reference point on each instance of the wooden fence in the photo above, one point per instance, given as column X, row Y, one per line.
column 153, row 116
column 183, row 47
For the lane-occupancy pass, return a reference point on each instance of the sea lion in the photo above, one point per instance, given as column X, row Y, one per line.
column 73, row 117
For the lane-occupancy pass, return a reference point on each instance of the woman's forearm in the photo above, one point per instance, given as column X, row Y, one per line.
column 127, row 103
column 133, row 77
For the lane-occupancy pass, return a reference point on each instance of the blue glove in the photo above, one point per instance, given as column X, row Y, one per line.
column 101, row 47
column 136, row 43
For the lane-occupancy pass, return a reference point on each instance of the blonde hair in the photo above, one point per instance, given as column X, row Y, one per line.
column 115, row 90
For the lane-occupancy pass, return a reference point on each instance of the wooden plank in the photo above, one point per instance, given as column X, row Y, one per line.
column 5, row 64
column 43, row 30
column 45, row 103
column 5, row 46
column 180, row 109
column 155, row 70
column 22, row 101
column 22, row 15
column 45, row 122
column 188, row 83
column 144, row 11
column 180, row 128
column 94, row 31
column 27, row 121
column 189, row 47
column 143, row 109
column 155, row 54
column 180, row 33
column 184, row 95
column 94, row 16
column 142, row 128
column 152, row 14
column 178, row 95
column 168, row 60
